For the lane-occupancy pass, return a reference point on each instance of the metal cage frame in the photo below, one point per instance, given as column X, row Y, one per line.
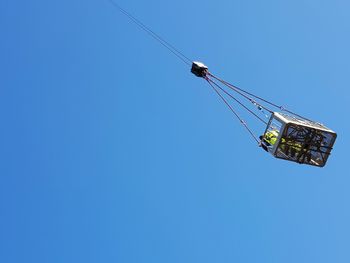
column 301, row 140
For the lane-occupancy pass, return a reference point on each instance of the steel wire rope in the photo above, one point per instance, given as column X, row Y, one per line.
column 233, row 111
column 235, row 88
column 157, row 37
column 241, row 92
column 240, row 103
column 188, row 61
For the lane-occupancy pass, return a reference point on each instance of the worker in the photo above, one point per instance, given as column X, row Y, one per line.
column 291, row 149
column 268, row 139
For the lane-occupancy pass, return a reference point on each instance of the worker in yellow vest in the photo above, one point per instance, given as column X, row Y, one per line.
column 268, row 139
column 291, row 149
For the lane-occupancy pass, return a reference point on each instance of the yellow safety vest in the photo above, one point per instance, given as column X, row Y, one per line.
column 271, row 137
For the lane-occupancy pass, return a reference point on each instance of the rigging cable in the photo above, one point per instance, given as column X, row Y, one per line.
column 187, row 61
column 237, row 89
column 241, row 92
column 211, row 82
column 154, row 35
column 240, row 103
column 233, row 111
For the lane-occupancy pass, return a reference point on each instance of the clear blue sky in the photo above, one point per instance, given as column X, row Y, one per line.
column 112, row 151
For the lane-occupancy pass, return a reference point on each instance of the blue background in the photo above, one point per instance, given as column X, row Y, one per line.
column 112, row 151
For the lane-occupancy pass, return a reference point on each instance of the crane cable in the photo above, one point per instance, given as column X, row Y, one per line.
column 243, row 93
column 232, row 110
column 211, row 82
column 154, row 35
column 240, row 91
column 188, row 62
column 240, row 103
